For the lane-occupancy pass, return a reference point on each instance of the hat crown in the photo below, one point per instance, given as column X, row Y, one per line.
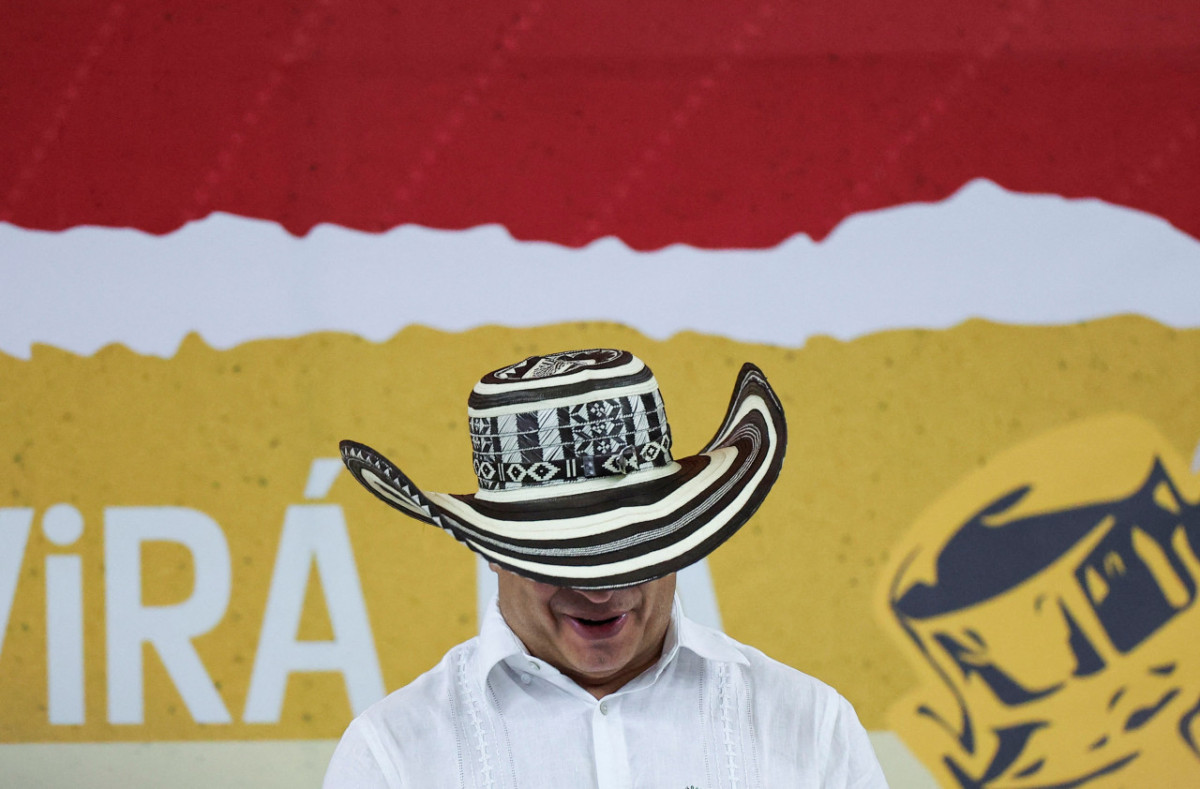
column 565, row 417
column 561, row 364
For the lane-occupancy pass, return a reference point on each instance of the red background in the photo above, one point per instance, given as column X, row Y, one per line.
column 710, row 123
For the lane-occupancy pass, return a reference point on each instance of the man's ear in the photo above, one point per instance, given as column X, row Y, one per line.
column 494, row 567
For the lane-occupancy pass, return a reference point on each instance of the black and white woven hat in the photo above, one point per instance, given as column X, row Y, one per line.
column 577, row 485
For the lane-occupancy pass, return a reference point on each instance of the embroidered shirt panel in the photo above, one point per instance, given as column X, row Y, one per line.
column 712, row 714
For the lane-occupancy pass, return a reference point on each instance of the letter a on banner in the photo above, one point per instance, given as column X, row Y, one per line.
column 313, row 533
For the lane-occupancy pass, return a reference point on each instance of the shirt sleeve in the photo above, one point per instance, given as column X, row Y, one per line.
column 356, row 762
column 854, row 760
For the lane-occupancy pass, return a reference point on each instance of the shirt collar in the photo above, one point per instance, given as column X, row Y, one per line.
column 702, row 641
column 497, row 642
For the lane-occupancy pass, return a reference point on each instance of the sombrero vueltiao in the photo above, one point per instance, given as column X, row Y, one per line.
column 577, row 486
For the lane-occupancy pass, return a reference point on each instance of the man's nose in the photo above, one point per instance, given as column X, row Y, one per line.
column 597, row 595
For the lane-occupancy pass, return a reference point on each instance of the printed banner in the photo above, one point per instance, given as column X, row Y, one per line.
column 183, row 559
column 963, row 243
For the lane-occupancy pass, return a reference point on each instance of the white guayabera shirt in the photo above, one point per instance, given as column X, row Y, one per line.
column 711, row 714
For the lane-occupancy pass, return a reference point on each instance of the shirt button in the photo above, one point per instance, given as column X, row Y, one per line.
column 604, row 708
column 526, row 679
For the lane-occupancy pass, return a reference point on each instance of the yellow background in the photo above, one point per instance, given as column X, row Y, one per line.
column 878, row 428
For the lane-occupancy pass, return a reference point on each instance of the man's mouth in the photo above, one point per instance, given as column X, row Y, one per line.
column 595, row 629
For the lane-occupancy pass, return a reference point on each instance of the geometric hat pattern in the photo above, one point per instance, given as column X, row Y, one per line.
column 577, row 483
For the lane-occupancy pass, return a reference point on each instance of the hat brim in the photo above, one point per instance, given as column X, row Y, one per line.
column 613, row 532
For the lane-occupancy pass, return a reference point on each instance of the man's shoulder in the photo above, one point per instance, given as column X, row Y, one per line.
column 414, row 719
column 414, row 704
column 812, row 717
column 713, row 643
column 778, row 684
column 767, row 667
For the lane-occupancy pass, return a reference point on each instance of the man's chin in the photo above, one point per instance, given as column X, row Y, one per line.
column 595, row 660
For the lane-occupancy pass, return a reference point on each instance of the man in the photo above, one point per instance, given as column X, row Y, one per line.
column 585, row 672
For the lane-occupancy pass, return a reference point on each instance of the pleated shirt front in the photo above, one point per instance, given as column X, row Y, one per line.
column 711, row 714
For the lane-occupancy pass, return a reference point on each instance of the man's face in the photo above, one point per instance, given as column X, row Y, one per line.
column 599, row 638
